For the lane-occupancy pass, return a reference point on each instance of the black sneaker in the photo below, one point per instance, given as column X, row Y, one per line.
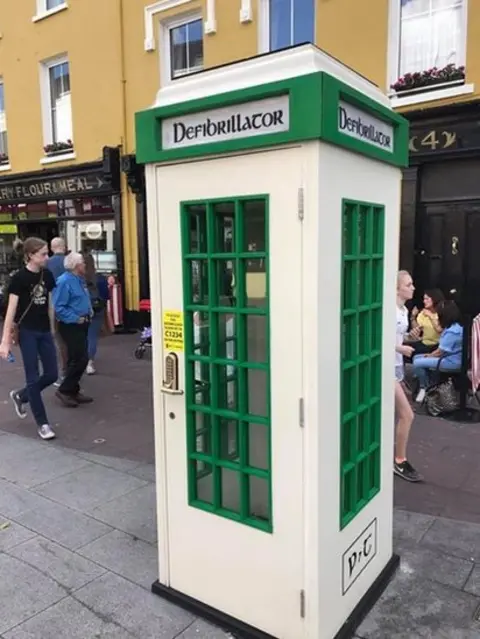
column 406, row 471
column 18, row 404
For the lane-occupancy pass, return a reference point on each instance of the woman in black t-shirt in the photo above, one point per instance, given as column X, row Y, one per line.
column 29, row 308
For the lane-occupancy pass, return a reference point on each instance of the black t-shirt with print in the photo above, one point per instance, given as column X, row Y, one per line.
column 32, row 290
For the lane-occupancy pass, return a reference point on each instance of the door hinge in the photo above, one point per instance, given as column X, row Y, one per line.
column 301, row 412
column 302, row 604
column 301, row 203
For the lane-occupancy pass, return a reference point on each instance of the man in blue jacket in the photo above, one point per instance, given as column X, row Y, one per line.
column 73, row 310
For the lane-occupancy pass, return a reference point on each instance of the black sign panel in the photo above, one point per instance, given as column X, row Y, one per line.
column 444, row 137
column 41, row 189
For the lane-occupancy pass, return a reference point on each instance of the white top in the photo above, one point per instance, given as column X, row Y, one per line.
column 402, row 330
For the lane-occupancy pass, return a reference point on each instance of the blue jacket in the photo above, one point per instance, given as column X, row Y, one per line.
column 55, row 265
column 71, row 299
column 451, row 345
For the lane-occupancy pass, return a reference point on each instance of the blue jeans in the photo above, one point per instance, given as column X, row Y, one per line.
column 94, row 329
column 424, row 366
column 35, row 345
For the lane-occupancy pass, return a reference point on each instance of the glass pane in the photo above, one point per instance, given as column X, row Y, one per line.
column 256, row 338
column 303, row 21
column 224, row 227
column 204, row 481
column 254, row 226
column 227, row 385
column 280, row 24
column 230, row 489
column 257, row 393
column 178, row 51
column 226, row 280
column 203, row 433
column 259, row 498
column 229, row 435
column 51, row 4
column 199, row 281
column 258, row 446
column 195, row 45
column 256, row 283
column 226, row 346
column 197, row 224
column 202, row 384
column 201, row 334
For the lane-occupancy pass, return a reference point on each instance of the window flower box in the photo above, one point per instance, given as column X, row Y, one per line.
column 58, row 148
column 429, row 80
column 4, row 159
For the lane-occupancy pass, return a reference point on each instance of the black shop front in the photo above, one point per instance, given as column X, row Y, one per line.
column 80, row 203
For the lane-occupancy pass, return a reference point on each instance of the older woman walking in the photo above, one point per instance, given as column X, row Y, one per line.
column 73, row 310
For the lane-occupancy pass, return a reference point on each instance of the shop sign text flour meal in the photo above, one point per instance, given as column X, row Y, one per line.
column 261, row 117
column 363, row 126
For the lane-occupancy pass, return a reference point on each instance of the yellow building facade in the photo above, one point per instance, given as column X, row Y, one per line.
column 74, row 72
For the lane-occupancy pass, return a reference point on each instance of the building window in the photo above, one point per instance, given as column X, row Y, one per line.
column 185, row 47
column 3, row 128
column 427, row 38
column 53, row 4
column 290, row 22
column 57, row 106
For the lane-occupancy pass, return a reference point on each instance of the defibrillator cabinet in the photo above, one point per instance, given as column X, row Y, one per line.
column 273, row 195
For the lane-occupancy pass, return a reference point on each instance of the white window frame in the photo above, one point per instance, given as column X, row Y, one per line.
column 43, row 12
column 151, row 12
column 6, row 166
column 263, row 8
column 46, row 102
column 448, row 89
column 165, row 51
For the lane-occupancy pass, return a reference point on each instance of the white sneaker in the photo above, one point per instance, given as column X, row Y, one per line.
column 91, row 368
column 46, row 432
column 59, row 381
column 421, row 396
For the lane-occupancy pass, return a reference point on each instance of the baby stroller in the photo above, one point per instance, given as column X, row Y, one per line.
column 146, row 334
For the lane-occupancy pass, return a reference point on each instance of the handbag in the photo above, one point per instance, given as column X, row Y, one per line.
column 14, row 333
column 441, row 398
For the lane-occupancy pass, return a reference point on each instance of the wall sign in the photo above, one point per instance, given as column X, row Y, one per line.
column 362, row 126
column 173, row 331
column 433, row 140
column 260, row 117
column 357, row 557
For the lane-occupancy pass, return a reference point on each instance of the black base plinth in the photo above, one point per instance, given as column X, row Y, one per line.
column 241, row 630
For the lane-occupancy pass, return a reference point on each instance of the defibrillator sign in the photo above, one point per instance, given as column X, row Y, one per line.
column 173, row 331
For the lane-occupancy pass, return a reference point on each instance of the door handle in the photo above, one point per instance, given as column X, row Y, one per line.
column 454, row 245
column 168, row 390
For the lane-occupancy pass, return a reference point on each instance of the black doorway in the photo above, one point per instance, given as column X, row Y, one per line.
column 45, row 230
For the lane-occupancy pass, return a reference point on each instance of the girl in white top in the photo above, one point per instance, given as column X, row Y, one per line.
column 402, row 466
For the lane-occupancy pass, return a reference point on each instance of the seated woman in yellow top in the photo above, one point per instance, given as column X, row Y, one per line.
column 426, row 321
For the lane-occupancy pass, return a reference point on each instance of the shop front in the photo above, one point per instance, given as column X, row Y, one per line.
column 80, row 203
column 441, row 203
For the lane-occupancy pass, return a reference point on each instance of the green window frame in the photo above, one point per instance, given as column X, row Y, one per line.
column 227, row 358
column 361, row 355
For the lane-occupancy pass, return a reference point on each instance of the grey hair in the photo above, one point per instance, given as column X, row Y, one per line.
column 57, row 243
column 72, row 260
column 401, row 275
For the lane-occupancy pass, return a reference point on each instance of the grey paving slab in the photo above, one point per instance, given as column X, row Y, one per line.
column 68, row 619
column 122, row 465
column 428, row 563
column 67, row 568
column 132, row 558
column 134, row 513
column 15, row 500
column 12, row 534
column 145, row 471
column 89, row 487
column 143, row 614
column 461, row 539
column 24, row 592
column 473, row 583
column 416, row 608
column 410, row 526
column 202, row 630
column 63, row 525
column 27, row 463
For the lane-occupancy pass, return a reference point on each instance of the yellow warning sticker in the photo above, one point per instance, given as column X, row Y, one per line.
column 173, row 331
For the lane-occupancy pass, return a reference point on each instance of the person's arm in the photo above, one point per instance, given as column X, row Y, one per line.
column 61, row 298
column 8, row 324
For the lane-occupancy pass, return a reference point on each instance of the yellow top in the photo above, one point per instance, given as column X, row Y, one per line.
column 430, row 336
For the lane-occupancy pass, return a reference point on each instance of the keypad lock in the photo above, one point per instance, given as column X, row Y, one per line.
column 170, row 384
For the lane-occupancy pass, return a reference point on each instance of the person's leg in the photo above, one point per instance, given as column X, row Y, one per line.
column 29, row 347
column 75, row 336
column 422, row 368
column 48, row 357
column 67, row 388
column 94, row 329
column 405, row 419
column 62, row 355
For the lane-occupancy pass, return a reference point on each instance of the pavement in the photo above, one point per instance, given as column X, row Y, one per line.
column 78, row 529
